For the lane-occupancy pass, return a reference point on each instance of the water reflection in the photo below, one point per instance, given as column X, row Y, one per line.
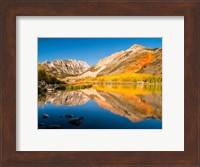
column 132, row 103
column 68, row 98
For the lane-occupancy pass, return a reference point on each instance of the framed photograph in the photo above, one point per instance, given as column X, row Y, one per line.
column 119, row 91
column 114, row 85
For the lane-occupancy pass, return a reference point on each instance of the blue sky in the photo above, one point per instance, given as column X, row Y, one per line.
column 90, row 50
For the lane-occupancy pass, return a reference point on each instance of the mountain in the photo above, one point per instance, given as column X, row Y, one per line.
column 64, row 68
column 136, row 59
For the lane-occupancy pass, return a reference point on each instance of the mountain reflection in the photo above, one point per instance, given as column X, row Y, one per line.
column 135, row 102
column 68, row 98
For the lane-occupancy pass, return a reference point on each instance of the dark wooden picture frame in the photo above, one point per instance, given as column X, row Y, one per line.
column 9, row 9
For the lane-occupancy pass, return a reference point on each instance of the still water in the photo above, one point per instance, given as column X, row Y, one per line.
column 102, row 107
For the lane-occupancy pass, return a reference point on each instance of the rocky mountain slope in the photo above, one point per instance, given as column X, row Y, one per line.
column 64, row 68
column 136, row 59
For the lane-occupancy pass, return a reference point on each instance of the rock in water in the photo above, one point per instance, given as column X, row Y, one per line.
column 45, row 116
column 76, row 121
column 69, row 115
column 41, row 124
column 53, row 127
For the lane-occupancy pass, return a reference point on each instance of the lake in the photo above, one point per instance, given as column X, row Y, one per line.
column 127, row 106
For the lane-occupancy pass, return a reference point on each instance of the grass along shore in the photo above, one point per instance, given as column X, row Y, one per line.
column 73, row 87
column 124, row 78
